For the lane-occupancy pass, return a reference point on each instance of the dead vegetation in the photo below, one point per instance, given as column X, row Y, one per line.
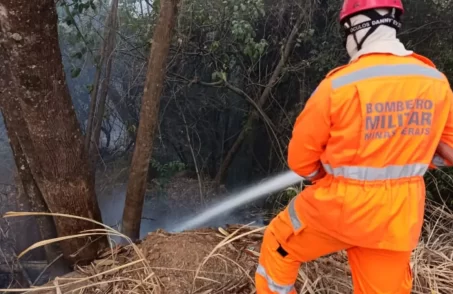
column 224, row 261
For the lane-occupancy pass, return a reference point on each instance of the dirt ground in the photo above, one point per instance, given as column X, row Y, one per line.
column 199, row 261
column 223, row 261
column 189, row 262
column 203, row 261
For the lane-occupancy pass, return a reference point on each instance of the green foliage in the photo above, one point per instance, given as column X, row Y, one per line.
column 76, row 10
column 75, row 72
column 304, row 36
column 77, row 7
column 136, row 24
column 90, row 88
column 291, row 192
column 244, row 16
column 76, row 31
column 230, row 30
column 219, row 76
column 167, row 170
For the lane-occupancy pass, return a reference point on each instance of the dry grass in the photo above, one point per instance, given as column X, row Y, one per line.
column 432, row 261
column 224, row 261
column 109, row 272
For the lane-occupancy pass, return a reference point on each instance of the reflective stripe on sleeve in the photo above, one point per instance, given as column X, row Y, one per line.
column 295, row 221
column 273, row 286
column 386, row 71
column 363, row 173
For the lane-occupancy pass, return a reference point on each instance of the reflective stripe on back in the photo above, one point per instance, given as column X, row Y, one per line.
column 391, row 172
column 386, row 71
column 273, row 286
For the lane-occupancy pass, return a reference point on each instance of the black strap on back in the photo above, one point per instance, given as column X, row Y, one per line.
column 391, row 20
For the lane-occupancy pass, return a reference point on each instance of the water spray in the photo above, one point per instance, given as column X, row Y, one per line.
column 256, row 191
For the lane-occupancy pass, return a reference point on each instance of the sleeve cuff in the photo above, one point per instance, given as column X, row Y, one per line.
column 312, row 175
column 438, row 161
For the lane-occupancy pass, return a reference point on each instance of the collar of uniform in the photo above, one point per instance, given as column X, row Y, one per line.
column 394, row 47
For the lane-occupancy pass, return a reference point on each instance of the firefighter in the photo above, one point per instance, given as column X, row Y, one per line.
column 365, row 138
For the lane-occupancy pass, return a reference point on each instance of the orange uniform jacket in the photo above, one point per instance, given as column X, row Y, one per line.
column 373, row 126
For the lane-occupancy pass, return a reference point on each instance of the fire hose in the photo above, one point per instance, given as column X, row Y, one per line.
column 263, row 188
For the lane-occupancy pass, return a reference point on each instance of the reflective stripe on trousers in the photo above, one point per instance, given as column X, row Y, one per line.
column 273, row 286
column 386, row 71
column 364, row 173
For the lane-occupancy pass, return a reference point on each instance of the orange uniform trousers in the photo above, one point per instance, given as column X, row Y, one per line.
column 374, row 271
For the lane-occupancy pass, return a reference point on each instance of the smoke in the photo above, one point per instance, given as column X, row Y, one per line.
column 161, row 213
column 254, row 192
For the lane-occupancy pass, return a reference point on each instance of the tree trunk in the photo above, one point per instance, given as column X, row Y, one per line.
column 148, row 117
column 108, row 49
column 93, row 103
column 26, row 230
column 53, row 144
column 253, row 116
column 21, row 178
column 29, row 195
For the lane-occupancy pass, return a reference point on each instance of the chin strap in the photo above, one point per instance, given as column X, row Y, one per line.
column 376, row 19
